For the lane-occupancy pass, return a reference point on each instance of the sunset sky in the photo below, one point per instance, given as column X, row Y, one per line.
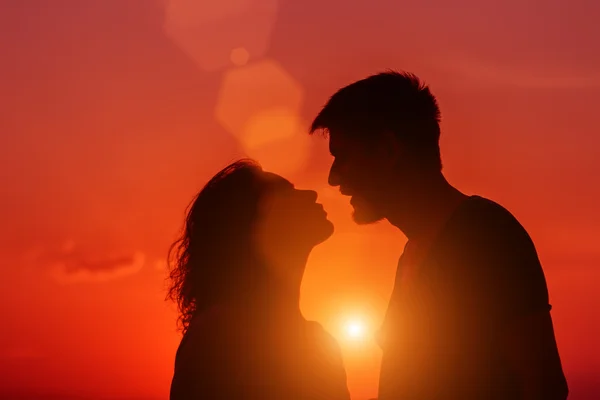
column 116, row 112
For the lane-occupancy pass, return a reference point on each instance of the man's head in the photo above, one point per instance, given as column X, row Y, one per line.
column 384, row 135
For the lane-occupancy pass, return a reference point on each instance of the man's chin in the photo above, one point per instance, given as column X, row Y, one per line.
column 364, row 213
column 365, row 218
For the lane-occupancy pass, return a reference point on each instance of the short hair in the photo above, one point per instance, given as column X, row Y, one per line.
column 388, row 101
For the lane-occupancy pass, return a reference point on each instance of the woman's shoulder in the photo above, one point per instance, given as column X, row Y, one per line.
column 315, row 328
column 330, row 366
column 325, row 342
column 208, row 331
column 207, row 322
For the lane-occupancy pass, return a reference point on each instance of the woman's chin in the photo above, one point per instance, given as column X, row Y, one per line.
column 323, row 232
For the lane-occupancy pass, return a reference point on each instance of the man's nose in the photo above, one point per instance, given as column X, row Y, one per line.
column 334, row 177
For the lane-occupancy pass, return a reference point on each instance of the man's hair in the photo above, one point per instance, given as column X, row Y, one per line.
column 393, row 101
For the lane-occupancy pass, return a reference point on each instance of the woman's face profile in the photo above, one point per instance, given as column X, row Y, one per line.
column 290, row 219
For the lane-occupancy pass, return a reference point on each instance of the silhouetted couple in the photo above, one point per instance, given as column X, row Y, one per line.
column 469, row 316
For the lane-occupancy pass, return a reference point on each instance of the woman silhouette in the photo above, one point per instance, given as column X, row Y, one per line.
column 235, row 276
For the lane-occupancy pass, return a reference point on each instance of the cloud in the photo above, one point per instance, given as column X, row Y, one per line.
column 528, row 76
column 71, row 263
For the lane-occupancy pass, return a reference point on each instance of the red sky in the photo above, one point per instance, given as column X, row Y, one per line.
column 115, row 112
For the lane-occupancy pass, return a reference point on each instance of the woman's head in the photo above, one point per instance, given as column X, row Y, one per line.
column 236, row 230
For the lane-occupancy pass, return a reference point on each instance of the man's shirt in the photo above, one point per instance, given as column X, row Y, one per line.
column 455, row 293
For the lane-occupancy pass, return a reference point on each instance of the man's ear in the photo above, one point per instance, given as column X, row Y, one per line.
column 391, row 148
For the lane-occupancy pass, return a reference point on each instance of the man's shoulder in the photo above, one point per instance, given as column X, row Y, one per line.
column 487, row 210
column 484, row 232
column 489, row 238
column 486, row 219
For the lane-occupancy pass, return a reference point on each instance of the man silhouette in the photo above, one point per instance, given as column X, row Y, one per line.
column 469, row 316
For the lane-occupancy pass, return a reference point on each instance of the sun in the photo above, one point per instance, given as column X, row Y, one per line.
column 355, row 330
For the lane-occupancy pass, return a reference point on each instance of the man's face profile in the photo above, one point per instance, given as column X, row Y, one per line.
column 358, row 171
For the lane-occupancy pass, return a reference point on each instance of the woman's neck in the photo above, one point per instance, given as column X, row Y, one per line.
column 278, row 295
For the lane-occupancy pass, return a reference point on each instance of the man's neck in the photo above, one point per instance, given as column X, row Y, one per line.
column 432, row 203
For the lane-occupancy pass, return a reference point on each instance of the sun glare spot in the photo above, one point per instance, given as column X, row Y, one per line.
column 355, row 330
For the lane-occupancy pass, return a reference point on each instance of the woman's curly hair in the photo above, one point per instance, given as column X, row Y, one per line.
column 207, row 262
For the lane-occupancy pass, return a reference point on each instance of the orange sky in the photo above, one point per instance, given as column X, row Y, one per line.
column 114, row 114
